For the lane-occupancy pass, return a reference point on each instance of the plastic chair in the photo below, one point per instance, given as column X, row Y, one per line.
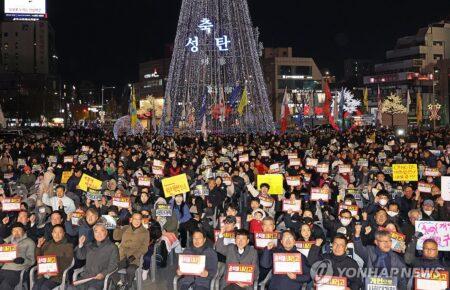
column 64, row 277
column 22, row 285
column 212, row 284
column 78, row 271
column 137, row 275
column 264, row 283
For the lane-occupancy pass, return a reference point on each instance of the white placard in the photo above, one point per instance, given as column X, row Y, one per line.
column 191, row 264
column 445, row 188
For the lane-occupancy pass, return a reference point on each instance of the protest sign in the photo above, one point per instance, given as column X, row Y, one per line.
column 425, row 279
column 436, row 230
column 47, row 265
column 175, row 185
column 11, row 204
column 330, row 283
column 144, row 181
column 163, row 210
column 445, row 188
column 191, row 264
column 304, row 247
column 322, row 168
column 263, row 239
column 8, row 252
column 87, row 181
column 294, row 205
column 65, row 176
column 404, row 172
column 228, row 238
column 284, row 263
column 293, row 180
column 121, row 202
column 275, row 182
column 318, row 193
column 240, row 273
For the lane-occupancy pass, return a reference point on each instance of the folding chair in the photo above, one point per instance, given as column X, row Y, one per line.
column 137, row 274
column 22, row 285
column 78, row 272
column 64, row 277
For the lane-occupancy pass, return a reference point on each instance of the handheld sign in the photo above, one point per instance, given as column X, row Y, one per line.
column 191, row 264
column 424, row 187
column 263, row 239
column 144, row 181
column 275, row 182
column 284, row 263
column 292, row 155
column 311, row 162
column 243, row 158
column 381, row 283
column 427, row 279
column 318, row 193
column 228, row 238
column 445, row 188
column 11, row 204
column 240, row 273
column 158, row 163
column 8, row 252
column 121, row 202
column 163, row 210
column 295, row 162
column 87, row 181
column 293, row 180
column 47, row 265
column 156, row 170
column 434, row 172
column 172, row 154
column 295, row 205
column 404, row 172
column 330, row 283
column 344, row 168
column 436, row 230
column 76, row 216
column 322, row 168
column 175, row 185
column 304, row 247
column 65, row 176
column 398, row 242
column 352, row 208
column 68, row 159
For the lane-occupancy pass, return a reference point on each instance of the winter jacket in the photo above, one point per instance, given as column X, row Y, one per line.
column 370, row 255
column 83, row 229
column 64, row 256
column 282, row 281
column 134, row 242
column 210, row 266
column 25, row 249
column 249, row 256
column 339, row 263
column 101, row 257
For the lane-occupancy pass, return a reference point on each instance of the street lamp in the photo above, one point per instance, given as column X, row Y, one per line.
column 103, row 91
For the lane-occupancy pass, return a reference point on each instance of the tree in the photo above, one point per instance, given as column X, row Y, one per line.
column 393, row 105
column 215, row 65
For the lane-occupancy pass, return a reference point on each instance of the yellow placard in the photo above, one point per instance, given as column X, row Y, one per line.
column 87, row 181
column 404, row 172
column 175, row 185
column 275, row 181
column 65, row 176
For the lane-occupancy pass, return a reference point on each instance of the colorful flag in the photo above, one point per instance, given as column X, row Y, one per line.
column 419, row 108
column 379, row 106
column 327, row 103
column 366, row 99
column 234, row 95
column 284, row 111
column 408, row 101
column 243, row 103
column 133, row 111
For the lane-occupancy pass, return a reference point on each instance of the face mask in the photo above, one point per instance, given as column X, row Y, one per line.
column 428, row 212
column 348, row 202
column 392, row 213
column 383, row 202
column 345, row 221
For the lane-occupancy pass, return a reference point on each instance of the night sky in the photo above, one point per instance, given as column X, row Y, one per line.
column 104, row 40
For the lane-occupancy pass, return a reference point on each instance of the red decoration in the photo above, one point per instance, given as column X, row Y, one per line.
column 220, row 110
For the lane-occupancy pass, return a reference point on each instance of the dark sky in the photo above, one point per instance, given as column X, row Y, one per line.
column 104, row 40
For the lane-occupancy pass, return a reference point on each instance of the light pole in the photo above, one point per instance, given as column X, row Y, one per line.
column 103, row 92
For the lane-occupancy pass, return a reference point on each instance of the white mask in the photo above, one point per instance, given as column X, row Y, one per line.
column 392, row 213
column 428, row 212
column 383, row 202
column 345, row 221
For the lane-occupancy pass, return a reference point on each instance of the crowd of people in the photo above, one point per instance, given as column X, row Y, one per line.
column 338, row 206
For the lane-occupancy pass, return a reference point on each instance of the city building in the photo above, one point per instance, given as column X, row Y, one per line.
column 412, row 65
column 283, row 71
column 355, row 70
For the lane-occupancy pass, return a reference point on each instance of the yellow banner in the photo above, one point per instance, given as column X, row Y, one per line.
column 275, row 181
column 404, row 172
column 65, row 176
column 87, row 181
column 175, row 185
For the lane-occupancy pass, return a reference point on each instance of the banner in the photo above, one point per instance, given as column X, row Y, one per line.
column 175, row 185
column 404, row 172
column 87, row 181
column 240, row 273
column 284, row 263
column 438, row 231
column 263, row 239
column 191, row 264
column 445, row 188
column 47, row 265
column 275, row 182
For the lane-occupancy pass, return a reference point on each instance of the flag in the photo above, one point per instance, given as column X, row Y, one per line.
column 133, row 111
column 202, row 111
column 284, row 111
column 419, row 108
column 366, row 99
column 234, row 95
column 203, row 128
column 327, row 103
column 243, row 103
column 408, row 101
column 311, row 103
column 379, row 106
column 154, row 121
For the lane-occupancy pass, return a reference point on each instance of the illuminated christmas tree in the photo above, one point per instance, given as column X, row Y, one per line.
column 215, row 81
